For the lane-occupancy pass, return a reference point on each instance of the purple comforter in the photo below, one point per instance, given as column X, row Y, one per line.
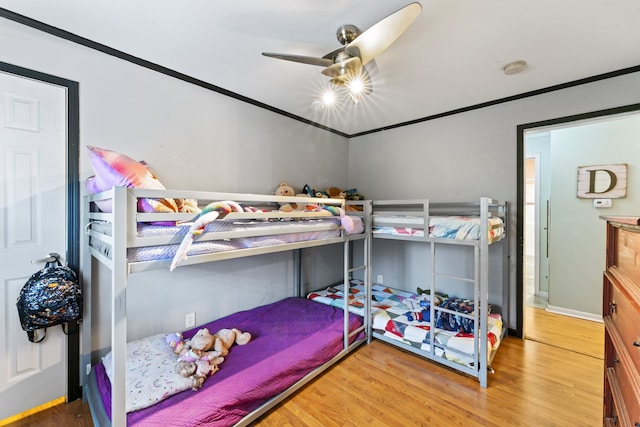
column 291, row 338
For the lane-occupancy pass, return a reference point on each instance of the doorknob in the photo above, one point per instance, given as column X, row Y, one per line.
column 53, row 257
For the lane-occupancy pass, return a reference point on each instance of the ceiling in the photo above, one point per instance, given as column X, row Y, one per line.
column 450, row 58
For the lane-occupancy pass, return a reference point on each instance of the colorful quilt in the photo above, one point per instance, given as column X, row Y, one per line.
column 405, row 316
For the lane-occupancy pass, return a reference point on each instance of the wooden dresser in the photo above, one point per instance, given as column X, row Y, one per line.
column 621, row 311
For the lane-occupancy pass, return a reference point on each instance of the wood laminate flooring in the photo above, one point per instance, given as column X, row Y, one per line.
column 544, row 381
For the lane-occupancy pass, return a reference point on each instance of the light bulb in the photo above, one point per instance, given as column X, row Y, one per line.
column 328, row 98
column 356, row 86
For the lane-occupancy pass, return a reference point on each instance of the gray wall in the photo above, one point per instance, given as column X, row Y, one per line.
column 472, row 154
column 199, row 139
column 193, row 139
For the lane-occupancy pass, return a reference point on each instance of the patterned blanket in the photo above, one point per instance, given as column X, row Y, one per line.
column 405, row 316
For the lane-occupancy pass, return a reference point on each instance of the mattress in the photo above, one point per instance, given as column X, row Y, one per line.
column 405, row 316
column 290, row 338
column 442, row 227
column 273, row 233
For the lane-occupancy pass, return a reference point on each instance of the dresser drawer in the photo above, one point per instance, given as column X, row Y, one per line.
column 626, row 255
column 625, row 385
column 624, row 314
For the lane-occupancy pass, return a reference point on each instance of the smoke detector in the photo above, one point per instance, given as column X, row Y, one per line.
column 514, row 67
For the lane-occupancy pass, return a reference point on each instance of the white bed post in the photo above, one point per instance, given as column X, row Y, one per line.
column 118, row 307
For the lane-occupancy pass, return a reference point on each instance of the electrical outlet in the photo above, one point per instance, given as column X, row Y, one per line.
column 190, row 320
column 380, row 279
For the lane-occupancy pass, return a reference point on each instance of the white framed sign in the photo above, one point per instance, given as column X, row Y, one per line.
column 602, row 181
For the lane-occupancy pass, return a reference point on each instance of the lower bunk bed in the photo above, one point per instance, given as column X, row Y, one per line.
column 293, row 340
column 404, row 318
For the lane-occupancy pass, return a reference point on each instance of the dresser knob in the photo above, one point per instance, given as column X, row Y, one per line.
column 636, row 343
column 612, row 307
column 616, row 360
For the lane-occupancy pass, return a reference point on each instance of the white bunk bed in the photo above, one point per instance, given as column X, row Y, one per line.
column 480, row 225
column 456, row 332
column 116, row 239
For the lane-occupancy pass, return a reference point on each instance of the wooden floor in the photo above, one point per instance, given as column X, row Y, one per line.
column 535, row 384
column 581, row 336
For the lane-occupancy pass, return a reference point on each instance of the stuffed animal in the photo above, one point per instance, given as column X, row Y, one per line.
column 419, row 315
column 285, row 189
column 353, row 194
column 350, row 224
column 201, row 355
column 335, row 193
column 196, row 354
column 225, row 338
column 437, row 298
column 197, row 371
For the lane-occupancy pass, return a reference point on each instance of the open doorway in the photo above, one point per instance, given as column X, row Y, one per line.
column 536, row 227
column 561, row 238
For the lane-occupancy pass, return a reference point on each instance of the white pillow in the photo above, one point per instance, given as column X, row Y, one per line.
column 150, row 373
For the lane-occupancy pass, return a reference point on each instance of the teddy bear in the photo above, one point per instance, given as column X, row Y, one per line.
column 225, row 338
column 285, row 189
column 336, row 193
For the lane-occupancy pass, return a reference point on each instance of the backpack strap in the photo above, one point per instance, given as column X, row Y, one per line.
column 32, row 335
column 66, row 330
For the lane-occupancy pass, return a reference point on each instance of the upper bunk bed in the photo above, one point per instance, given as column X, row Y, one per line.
column 460, row 331
column 127, row 240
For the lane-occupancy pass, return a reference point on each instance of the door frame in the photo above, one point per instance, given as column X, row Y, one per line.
column 520, row 200
column 74, row 390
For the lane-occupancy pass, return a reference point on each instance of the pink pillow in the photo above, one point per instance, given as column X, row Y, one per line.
column 116, row 169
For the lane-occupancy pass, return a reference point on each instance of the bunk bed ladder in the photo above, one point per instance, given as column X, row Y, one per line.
column 350, row 268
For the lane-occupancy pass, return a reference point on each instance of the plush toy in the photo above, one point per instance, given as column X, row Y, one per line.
column 335, row 193
column 350, row 224
column 307, row 191
column 202, row 340
column 438, row 298
column 197, row 371
column 353, row 194
column 225, row 338
column 197, row 358
column 285, row 189
column 176, row 342
column 419, row 315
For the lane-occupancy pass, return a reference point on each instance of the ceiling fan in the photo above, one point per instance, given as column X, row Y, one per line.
column 346, row 64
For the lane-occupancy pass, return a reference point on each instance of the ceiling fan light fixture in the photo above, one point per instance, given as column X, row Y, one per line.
column 356, row 85
column 328, row 98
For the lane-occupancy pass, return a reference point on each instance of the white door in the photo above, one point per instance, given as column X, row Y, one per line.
column 32, row 224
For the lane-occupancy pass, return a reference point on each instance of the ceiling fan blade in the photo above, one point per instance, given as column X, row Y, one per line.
column 381, row 35
column 344, row 68
column 311, row 60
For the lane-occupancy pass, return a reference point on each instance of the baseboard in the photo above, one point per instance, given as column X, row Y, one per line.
column 575, row 313
column 543, row 294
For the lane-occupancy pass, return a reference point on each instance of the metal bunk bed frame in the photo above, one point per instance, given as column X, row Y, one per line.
column 423, row 209
column 124, row 218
